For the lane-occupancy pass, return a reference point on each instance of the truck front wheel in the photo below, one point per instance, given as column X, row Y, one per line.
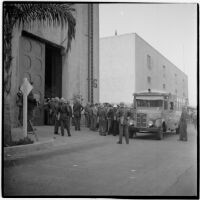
column 160, row 134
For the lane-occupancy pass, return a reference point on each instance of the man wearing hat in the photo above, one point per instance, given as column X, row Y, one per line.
column 115, row 129
column 123, row 116
column 69, row 108
column 77, row 109
column 56, row 110
column 64, row 116
column 86, row 113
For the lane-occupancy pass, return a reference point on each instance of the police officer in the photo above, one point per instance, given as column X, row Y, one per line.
column 115, row 130
column 102, row 120
column 123, row 117
column 77, row 109
column 110, row 119
column 56, row 110
column 86, row 113
column 64, row 116
column 70, row 113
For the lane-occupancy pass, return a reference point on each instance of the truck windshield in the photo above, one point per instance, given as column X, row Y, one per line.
column 149, row 103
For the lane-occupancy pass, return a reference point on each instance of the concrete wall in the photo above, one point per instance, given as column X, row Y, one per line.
column 159, row 75
column 124, row 69
column 75, row 64
column 117, row 68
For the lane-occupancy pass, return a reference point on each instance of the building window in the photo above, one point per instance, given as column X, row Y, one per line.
column 163, row 86
column 175, row 78
column 149, row 64
column 148, row 79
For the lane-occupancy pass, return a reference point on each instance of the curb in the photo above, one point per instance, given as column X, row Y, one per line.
column 15, row 152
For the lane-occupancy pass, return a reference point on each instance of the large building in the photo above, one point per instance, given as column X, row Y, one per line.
column 129, row 64
column 39, row 54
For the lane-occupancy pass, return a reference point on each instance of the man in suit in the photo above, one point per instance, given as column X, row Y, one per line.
column 77, row 109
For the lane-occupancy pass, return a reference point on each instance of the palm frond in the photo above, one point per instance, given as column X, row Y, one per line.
column 24, row 14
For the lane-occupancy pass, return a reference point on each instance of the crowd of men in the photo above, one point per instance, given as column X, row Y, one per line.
column 106, row 118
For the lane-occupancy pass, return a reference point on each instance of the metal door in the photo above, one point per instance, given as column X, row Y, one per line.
column 32, row 66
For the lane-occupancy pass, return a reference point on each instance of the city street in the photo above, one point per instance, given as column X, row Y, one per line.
column 101, row 167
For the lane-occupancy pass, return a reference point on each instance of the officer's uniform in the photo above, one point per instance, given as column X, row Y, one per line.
column 102, row 121
column 115, row 121
column 77, row 108
column 64, row 117
column 86, row 112
column 94, row 117
column 110, row 119
column 123, row 123
column 56, row 111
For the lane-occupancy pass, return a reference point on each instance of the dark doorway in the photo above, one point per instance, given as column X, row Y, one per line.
column 53, row 76
column 53, row 72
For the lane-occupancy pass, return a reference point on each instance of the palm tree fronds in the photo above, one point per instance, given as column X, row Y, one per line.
column 24, row 14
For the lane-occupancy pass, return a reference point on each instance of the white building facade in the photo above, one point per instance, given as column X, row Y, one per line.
column 39, row 54
column 129, row 64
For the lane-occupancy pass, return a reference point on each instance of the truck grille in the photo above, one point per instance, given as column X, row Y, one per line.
column 141, row 120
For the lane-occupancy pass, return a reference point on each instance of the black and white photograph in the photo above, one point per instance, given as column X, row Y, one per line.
column 100, row 99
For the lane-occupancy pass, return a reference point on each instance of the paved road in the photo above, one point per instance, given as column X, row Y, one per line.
column 99, row 166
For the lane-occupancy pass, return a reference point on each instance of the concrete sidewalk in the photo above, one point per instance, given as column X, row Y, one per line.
column 47, row 141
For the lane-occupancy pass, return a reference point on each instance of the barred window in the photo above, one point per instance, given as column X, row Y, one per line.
column 149, row 62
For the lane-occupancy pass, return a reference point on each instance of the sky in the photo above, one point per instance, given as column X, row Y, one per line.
column 169, row 28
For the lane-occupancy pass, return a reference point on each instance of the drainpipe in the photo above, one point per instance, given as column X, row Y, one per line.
column 90, row 53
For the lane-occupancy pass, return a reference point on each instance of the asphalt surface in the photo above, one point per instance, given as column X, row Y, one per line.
column 100, row 167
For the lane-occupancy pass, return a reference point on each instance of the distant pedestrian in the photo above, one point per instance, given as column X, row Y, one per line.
column 183, row 125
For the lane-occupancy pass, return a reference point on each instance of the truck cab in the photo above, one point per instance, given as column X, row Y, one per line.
column 154, row 112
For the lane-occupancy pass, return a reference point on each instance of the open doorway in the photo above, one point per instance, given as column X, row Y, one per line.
column 53, row 74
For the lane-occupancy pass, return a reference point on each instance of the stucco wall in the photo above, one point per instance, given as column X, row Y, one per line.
column 158, row 74
column 117, row 68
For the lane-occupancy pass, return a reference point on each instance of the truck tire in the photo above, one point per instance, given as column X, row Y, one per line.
column 160, row 134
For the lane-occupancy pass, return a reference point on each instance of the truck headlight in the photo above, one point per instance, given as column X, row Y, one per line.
column 131, row 123
column 150, row 123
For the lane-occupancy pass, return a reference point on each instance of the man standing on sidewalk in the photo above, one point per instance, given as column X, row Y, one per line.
column 64, row 117
column 123, row 116
column 183, row 125
column 77, row 109
column 56, row 110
